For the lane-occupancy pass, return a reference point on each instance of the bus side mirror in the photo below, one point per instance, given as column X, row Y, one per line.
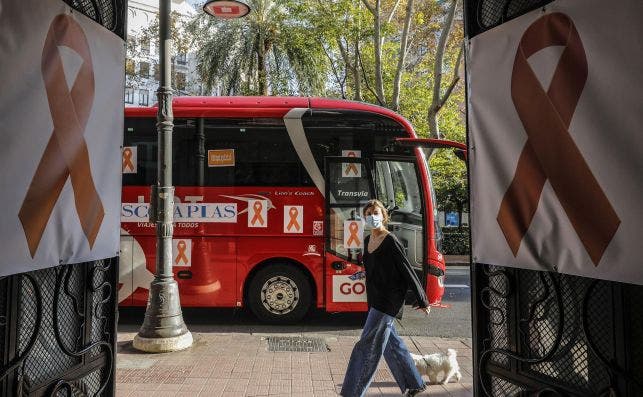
column 338, row 265
column 461, row 154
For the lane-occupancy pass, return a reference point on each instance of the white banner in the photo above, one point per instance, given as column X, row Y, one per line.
column 184, row 212
column 61, row 131
column 349, row 289
column 555, row 116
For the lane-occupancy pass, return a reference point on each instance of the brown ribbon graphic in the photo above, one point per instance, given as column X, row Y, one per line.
column 181, row 247
column 293, row 219
column 257, row 207
column 550, row 152
column 351, row 166
column 66, row 154
column 353, row 239
column 127, row 159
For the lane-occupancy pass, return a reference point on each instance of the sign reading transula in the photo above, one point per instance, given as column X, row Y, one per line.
column 555, row 148
column 62, row 103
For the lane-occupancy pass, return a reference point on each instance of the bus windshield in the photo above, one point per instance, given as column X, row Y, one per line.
column 397, row 186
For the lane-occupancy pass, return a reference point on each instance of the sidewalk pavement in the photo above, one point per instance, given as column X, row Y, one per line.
column 239, row 364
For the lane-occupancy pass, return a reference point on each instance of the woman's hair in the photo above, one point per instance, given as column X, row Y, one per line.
column 376, row 203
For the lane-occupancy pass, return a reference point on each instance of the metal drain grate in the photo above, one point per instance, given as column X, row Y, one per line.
column 296, row 344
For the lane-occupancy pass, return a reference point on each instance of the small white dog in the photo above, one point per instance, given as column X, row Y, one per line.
column 432, row 364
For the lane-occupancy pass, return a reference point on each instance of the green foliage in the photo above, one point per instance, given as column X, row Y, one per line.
column 455, row 241
column 270, row 51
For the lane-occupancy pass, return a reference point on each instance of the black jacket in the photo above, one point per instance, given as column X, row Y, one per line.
column 389, row 275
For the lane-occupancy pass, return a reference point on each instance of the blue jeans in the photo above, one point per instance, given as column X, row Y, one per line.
column 379, row 337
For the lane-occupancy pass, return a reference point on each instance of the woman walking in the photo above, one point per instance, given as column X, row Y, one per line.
column 388, row 276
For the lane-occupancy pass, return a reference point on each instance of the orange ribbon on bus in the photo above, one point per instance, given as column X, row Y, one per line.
column 66, row 154
column 351, row 166
column 353, row 239
column 127, row 159
column 550, row 152
column 293, row 219
column 257, row 207
column 181, row 246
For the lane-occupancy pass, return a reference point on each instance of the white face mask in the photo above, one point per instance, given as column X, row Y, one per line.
column 374, row 221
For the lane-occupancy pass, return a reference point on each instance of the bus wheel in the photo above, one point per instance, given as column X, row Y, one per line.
column 279, row 294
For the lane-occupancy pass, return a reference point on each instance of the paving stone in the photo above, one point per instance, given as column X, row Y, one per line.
column 240, row 365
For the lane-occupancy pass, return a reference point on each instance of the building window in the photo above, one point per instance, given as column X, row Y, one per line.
column 180, row 81
column 131, row 44
column 145, row 46
column 144, row 69
column 129, row 95
column 157, row 72
column 143, row 97
column 129, row 67
column 181, row 59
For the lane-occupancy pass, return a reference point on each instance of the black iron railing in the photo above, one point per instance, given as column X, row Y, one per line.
column 542, row 332
column 58, row 331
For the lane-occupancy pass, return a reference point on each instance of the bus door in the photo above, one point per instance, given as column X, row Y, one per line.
column 348, row 187
column 397, row 185
column 401, row 198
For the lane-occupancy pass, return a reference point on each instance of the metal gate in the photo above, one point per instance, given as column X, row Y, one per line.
column 544, row 333
column 58, row 331
column 58, row 325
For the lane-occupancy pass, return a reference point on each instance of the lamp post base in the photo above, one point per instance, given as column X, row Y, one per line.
column 163, row 328
column 163, row 345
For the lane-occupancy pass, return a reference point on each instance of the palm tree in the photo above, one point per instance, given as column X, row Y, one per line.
column 268, row 52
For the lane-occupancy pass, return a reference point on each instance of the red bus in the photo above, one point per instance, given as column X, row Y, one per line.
column 267, row 202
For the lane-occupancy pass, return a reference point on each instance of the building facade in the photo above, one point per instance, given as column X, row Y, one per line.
column 142, row 63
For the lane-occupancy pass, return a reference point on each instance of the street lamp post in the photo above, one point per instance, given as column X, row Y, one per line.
column 163, row 328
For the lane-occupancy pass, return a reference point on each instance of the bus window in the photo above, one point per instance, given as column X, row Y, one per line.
column 331, row 133
column 262, row 154
column 397, row 185
column 141, row 133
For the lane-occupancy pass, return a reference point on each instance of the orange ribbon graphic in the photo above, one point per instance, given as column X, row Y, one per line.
column 257, row 207
column 550, row 152
column 353, row 239
column 293, row 212
column 66, row 154
column 181, row 246
column 351, row 166
column 127, row 159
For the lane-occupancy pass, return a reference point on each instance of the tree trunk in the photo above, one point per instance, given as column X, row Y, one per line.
column 437, row 100
column 356, row 76
column 261, row 72
column 379, row 79
column 395, row 100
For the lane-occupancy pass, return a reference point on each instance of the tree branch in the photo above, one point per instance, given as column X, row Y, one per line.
column 370, row 7
column 454, row 80
column 395, row 100
column 390, row 16
column 335, row 72
column 432, row 113
column 368, row 86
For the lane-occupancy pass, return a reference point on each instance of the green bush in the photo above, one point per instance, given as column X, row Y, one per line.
column 455, row 241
